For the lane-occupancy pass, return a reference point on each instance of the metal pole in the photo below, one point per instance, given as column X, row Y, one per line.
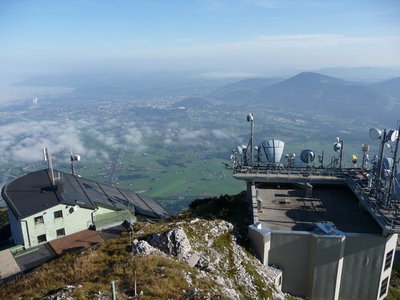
column 114, row 297
column 341, row 154
column 251, row 141
column 393, row 167
column 380, row 161
column 135, row 285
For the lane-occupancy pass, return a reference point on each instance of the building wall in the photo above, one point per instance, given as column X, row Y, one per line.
column 350, row 266
column 16, row 230
column 290, row 252
column 363, row 267
column 72, row 221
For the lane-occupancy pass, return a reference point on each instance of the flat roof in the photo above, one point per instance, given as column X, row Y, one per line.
column 287, row 207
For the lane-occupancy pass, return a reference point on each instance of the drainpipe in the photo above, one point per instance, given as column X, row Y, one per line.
column 27, row 232
column 92, row 214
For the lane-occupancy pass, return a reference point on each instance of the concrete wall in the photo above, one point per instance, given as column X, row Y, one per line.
column 391, row 244
column 291, row 253
column 364, row 260
column 325, row 266
column 350, row 266
column 261, row 240
column 72, row 221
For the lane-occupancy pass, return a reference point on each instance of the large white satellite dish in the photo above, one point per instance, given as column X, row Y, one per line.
column 392, row 135
column 375, row 133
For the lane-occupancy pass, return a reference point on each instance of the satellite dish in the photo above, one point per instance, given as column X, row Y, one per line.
column 375, row 133
column 365, row 148
column 337, row 146
column 273, row 150
column 392, row 135
column 307, row 156
column 239, row 149
column 75, row 208
column 250, row 117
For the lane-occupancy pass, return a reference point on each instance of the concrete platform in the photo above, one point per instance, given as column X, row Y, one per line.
column 8, row 265
column 287, row 207
column 34, row 257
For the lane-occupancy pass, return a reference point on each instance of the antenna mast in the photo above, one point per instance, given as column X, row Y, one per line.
column 47, row 157
column 250, row 118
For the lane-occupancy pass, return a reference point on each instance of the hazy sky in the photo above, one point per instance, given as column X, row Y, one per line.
column 216, row 35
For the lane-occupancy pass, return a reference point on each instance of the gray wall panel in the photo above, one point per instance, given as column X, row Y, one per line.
column 363, row 257
column 291, row 252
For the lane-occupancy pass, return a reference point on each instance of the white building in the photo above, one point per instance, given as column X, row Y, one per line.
column 40, row 211
column 326, row 235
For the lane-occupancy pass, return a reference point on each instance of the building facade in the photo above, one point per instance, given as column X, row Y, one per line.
column 41, row 210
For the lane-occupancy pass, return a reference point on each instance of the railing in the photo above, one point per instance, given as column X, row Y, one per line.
column 382, row 217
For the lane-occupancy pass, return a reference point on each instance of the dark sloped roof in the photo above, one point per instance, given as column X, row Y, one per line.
column 33, row 193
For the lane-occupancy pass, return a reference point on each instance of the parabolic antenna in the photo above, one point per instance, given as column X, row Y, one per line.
column 375, row 133
column 392, row 135
column 307, row 156
column 273, row 150
column 365, row 148
column 337, row 146
column 239, row 149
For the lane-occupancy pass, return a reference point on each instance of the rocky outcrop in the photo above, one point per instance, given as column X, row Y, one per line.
column 211, row 247
column 173, row 242
column 143, row 247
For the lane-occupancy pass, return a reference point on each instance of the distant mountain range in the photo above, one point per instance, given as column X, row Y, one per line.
column 389, row 87
column 315, row 92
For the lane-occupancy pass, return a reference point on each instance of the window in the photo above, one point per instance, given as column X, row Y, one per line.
column 58, row 214
column 42, row 238
column 60, row 232
column 39, row 220
column 384, row 286
column 388, row 260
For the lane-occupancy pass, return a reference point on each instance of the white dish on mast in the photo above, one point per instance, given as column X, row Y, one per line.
column 375, row 133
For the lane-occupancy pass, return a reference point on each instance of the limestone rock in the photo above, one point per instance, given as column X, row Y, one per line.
column 173, row 242
column 143, row 247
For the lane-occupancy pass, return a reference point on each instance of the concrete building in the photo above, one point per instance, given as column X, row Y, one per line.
column 323, row 229
column 42, row 210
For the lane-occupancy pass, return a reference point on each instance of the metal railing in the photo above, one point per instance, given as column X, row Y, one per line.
column 381, row 215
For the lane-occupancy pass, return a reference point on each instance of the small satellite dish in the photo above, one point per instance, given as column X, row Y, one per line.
column 365, row 148
column 239, row 149
column 250, row 117
column 375, row 133
column 307, row 156
column 392, row 135
column 337, row 146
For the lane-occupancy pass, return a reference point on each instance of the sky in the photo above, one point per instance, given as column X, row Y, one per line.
column 242, row 36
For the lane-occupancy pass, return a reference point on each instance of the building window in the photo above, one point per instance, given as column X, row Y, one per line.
column 60, row 232
column 388, row 260
column 384, row 287
column 39, row 220
column 58, row 214
column 42, row 238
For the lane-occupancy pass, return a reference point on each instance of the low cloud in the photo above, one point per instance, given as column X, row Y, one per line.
column 22, row 142
column 199, row 136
